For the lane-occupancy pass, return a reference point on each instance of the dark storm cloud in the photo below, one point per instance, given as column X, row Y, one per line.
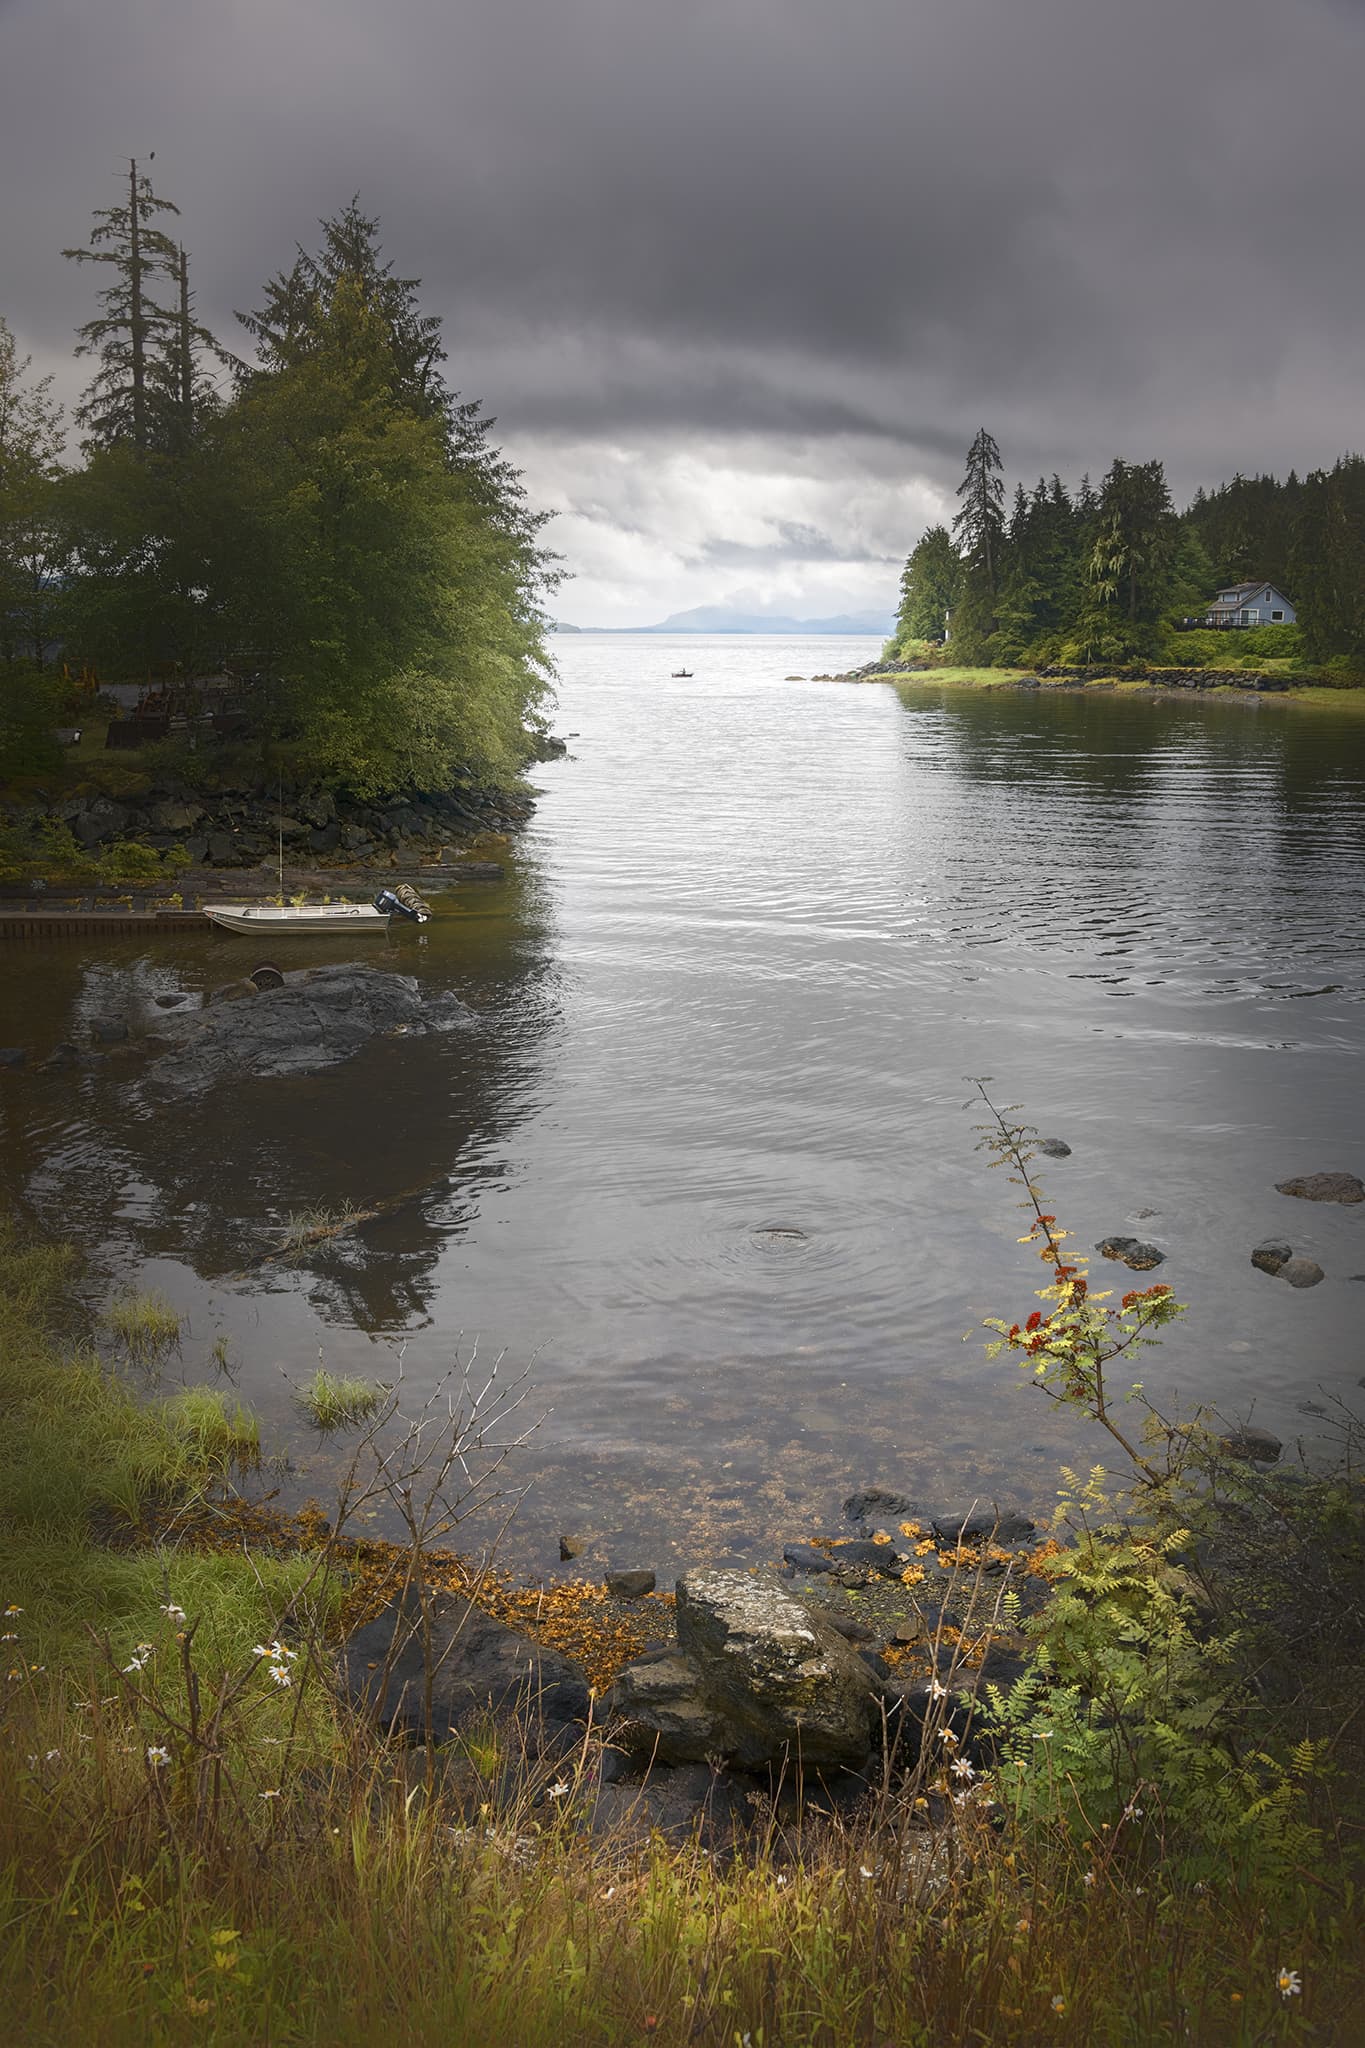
column 863, row 227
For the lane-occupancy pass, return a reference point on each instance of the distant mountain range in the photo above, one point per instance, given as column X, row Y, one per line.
column 716, row 618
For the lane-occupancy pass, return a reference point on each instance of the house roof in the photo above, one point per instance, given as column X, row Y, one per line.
column 1235, row 593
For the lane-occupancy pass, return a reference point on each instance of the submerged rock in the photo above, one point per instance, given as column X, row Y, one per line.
column 984, row 1525
column 1323, row 1187
column 630, row 1585
column 1271, row 1254
column 317, row 1019
column 1301, row 1272
column 1131, row 1251
column 878, row 1500
column 1053, row 1148
column 1252, row 1444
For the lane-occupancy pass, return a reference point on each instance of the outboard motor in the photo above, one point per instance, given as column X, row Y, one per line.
column 403, row 901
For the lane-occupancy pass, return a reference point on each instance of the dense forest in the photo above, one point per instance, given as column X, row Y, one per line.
column 321, row 517
column 1111, row 572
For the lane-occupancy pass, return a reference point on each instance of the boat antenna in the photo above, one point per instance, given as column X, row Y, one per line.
column 279, row 814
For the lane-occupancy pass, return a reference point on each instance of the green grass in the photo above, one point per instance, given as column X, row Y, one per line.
column 332, row 1401
column 146, row 1325
column 305, row 1227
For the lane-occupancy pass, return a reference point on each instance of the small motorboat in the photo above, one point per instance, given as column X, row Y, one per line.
column 679, row 673
column 300, row 919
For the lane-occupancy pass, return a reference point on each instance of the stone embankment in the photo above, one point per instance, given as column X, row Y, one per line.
column 235, row 825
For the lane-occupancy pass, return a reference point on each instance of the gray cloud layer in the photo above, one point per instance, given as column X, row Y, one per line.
column 818, row 241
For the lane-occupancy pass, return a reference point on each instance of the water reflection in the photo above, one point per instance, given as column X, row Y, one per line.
column 755, row 937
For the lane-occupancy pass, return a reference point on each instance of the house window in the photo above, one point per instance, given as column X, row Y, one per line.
column 1277, row 615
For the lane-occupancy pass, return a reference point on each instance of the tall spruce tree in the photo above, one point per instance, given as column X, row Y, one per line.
column 980, row 525
column 121, row 403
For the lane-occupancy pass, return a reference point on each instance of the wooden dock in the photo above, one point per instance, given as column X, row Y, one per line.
column 82, row 910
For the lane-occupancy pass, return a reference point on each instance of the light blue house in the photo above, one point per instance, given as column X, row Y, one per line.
column 1251, row 604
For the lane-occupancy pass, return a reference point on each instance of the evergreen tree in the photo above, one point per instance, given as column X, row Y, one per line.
column 929, row 587
column 979, row 527
column 31, row 550
column 121, row 402
column 1328, row 563
column 1132, row 562
column 184, row 392
column 386, row 567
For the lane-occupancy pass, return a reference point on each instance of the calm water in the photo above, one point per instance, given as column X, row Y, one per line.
column 757, row 936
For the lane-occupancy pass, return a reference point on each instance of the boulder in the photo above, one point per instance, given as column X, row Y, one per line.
column 984, row 1525
column 630, row 1585
column 1053, row 1148
column 667, row 1711
column 477, row 1666
column 781, row 1682
column 1251, row 1444
column 878, row 1500
column 1131, row 1251
column 175, row 817
column 1323, row 1187
column 1301, row 1272
column 1271, row 1254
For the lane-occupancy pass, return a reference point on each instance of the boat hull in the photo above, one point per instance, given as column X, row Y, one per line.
column 293, row 919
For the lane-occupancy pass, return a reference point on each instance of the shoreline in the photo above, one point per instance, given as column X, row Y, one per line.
column 1152, row 685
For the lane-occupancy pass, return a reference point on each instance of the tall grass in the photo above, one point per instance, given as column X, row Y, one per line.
column 194, row 1848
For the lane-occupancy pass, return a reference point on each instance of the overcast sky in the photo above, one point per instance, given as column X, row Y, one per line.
column 741, row 278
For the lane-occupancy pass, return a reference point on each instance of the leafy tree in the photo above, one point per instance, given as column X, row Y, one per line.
column 122, row 400
column 929, row 586
column 31, row 552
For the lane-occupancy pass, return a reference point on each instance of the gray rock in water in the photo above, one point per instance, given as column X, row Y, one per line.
column 13, row 1055
column 317, row 1019
column 1251, row 1444
column 878, row 1500
column 984, row 1525
column 1323, row 1187
column 478, row 1665
column 804, row 1557
column 1301, row 1272
column 1271, row 1254
column 1131, row 1251
column 630, row 1585
column 1053, row 1148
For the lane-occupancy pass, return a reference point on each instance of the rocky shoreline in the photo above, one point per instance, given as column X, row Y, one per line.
column 233, row 824
column 1059, row 675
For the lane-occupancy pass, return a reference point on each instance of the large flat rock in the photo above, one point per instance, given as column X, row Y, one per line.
column 317, row 1019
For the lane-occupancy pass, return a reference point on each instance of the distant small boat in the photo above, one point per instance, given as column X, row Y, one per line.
column 677, row 672
column 300, row 919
